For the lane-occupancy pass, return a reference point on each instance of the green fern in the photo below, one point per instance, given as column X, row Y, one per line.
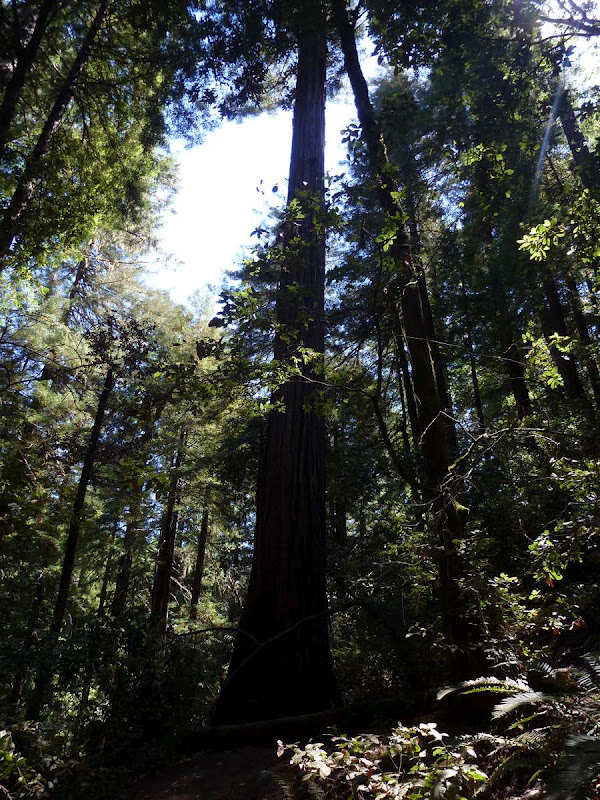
column 314, row 791
column 491, row 684
column 578, row 767
column 588, row 674
column 516, row 761
column 289, row 785
column 510, row 704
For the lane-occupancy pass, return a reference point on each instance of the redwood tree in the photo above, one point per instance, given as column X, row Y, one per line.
column 281, row 663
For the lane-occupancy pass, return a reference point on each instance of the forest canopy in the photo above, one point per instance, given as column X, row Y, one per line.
column 370, row 479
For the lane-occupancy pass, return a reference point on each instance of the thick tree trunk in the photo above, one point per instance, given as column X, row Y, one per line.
column 281, row 663
column 199, row 570
column 23, row 192
column 161, row 590
column 24, row 61
column 42, row 688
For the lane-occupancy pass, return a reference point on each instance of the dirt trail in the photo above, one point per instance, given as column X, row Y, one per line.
column 246, row 773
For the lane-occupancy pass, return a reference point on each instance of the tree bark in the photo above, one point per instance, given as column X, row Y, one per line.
column 436, row 440
column 42, row 688
column 581, row 324
column 134, row 514
column 161, row 590
column 24, row 61
column 20, row 677
column 23, row 192
column 199, row 571
column 554, row 323
column 472, row 364
column 516, row 375
column 281, row 662
column 107, row 572
column 586, row 164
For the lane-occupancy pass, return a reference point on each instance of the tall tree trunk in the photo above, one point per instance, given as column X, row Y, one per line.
column 21, row 676
column 406, row 380
column 281, row 662
column 107, row 571
column 339, row 529
column 472, row 363
column 586, row 164
column 161, row 590
column 42, row 689
column 199, row 570
column 134, row 513
column 554, row 323
column 584, row 336
column 414, row 243
column 23, row 192
column 515, row 369
column 24, row 61
column 436, row 440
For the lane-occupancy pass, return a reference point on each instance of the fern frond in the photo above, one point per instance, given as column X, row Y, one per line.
column 521, row 759
column 579, row 765
column 588, row 675
column 314, row 791
column 491, row 684
column 543, row 668
column 510, row 704
column 289, row 786
column 532, row 740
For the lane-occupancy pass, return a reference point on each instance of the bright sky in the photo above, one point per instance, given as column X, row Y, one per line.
column 225, row 186
column 218, row 206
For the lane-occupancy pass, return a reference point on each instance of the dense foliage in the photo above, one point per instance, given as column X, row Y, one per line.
column 425, row 440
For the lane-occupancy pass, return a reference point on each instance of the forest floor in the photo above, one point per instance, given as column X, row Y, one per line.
column 246, row 773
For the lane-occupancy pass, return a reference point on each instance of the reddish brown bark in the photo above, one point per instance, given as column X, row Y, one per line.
column 281, row 663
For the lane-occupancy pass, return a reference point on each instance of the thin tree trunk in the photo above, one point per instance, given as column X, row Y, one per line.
column 338, row 502
column 435, row 440
column 43, row 683
column 406, row 380
column 584, row 336
column 25, row 59
column 586, row 164
column 134, row 516
column 107, row 571
column 554, row 323
column 281, row 662
column 472, row 363
column 23, row 192
column 414, row 244
column 199, row 570
column 82, row 708
column 161, row 590
column 21, row 676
